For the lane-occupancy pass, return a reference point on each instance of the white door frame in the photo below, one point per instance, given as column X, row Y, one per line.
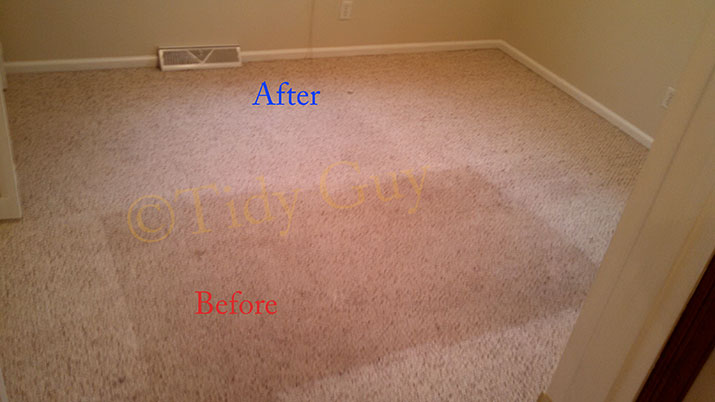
column 9, row 197
column 661, row 248
column 3, row 390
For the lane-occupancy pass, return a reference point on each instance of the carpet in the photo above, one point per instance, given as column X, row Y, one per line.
column 426, row 232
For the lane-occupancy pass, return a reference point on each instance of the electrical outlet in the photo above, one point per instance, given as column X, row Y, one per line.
column 669, row 94
column 346, row 9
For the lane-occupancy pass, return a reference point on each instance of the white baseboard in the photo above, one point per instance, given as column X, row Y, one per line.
column 275, row 54
column 403, row 48
column 597, row 107
column 103, row 63
column 343, row 51
column 14, row 67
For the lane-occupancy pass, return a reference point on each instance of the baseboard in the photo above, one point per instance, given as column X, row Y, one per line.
column 344, row 51
column 14, row 67
column 403, row 48
column 274, row 54
column 608, row 114
column 103, row 63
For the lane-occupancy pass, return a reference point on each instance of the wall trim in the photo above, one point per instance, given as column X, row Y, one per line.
column 597, row 107
column 629, row 128
column 9, row 195
column 3, row 391
column 404, row 48
column 102, row 63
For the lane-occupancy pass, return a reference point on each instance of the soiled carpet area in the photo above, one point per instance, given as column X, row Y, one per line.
column 469, row 298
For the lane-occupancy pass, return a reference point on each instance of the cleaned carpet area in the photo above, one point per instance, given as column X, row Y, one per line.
column 462, row 285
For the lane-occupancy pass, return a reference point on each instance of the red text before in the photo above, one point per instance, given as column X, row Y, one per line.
column 232, row 306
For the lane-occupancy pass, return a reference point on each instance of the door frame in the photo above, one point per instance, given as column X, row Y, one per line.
column 688, row 347
column 658, row 254
column 9, row 196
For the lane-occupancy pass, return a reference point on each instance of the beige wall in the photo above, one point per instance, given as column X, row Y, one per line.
column 623, row 53
column 403, row 21
column 51, row 29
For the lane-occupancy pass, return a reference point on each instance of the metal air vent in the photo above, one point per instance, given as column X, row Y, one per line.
column 199, row 57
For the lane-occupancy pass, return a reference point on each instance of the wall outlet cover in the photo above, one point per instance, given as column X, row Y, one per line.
column 669, row 94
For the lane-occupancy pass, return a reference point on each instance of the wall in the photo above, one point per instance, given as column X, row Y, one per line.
column 49, row 29
column 404, row 21
column 623, row 53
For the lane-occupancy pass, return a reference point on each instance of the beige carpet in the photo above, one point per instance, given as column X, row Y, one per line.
column 469, row 298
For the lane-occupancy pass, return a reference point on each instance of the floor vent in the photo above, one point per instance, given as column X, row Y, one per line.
column 192, row 58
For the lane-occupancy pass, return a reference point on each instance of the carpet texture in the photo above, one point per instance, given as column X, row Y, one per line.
column 463, row 287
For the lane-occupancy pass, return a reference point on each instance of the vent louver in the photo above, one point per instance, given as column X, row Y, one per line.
column 191, row 58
